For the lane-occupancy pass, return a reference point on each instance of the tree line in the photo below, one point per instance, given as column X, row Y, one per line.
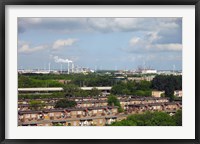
column 28, row 82
column 151, row 119
column 167, row 83
column 142, row 88
column 50, row 80
column 42, row 96
column 66, row 103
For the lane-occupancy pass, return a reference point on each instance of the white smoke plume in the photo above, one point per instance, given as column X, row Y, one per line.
column 60, row 60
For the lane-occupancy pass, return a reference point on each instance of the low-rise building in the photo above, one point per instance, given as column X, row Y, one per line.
column 57, row 114
column 140, row 108
column 178, row 93
column 156, row 93
column 138, row 79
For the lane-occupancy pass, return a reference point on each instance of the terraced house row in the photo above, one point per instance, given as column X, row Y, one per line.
column 88, row 117
column 99, row 115
column 51, row 116
column 170, row 107
column 82, row 103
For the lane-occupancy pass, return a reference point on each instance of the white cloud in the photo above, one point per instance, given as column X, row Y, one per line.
column 25, row 48
column 34, row 20
column 62, row 43
column 149, row 37
column 168, row 47
column 148, row 43
column 134, row 41
column 69, row 25
column 169, row 25
column 152, row 36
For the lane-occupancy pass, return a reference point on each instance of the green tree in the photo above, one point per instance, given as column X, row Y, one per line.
column 41, row 96
column 64, row 103
column 126, row 91
column 81, row 93
column 168, row 83
column 113, row 101
column 58, row 124
column 36, row 105
column 142, row 88
column 23, row 81
column 95, row 92
column 178, row 118
column 147, row 119
column 143, row 85
column 169, row 92
column 70, row 90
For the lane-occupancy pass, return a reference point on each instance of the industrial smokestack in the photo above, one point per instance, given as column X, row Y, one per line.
column 72, row 67
column 61, row 68
column 60, row 60
column 49, row 67
column 68, row 68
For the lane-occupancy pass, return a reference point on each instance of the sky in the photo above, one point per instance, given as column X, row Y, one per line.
column 100, row 43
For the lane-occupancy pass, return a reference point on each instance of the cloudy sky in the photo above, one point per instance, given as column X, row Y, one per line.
column 101, row 43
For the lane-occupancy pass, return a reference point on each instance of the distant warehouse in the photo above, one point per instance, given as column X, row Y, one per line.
column 104, row 90
column 99, row 88
column 40, row 90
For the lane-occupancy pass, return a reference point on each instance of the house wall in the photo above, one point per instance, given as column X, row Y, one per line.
column 157, row 93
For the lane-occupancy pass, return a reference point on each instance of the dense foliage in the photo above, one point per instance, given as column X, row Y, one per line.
column 51, row 80
column 72, row 90
column 36, row 105
column 113, row 101
column 151, row 119
column 64, row 103
column 27, row 82
column 178, row 118
column 41, row 96
column 47, row 76
column 58, row 124
column 168, row 83
column 95, row 92
column 142, row 88
column 93, row 80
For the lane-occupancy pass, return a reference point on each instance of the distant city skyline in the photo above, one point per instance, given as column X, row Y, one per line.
column 100, row 43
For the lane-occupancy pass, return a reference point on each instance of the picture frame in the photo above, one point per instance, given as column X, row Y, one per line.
column 3, row 74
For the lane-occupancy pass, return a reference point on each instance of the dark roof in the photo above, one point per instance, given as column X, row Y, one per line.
column 90, row 108
column 29, row 112
column 38, row 99
column 27, row 105
column 110, row 117
column 155, row 104
column 75, row 109
column 23, row 105
column 124, row 100
column 53, row 110
column 137, row 105
column 172, row 103
column 92, row 101
column 167, row 98
column 83, row 119
column 105, row 107
column 178, row 100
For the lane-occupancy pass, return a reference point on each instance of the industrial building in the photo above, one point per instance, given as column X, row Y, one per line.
column 104, row 90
